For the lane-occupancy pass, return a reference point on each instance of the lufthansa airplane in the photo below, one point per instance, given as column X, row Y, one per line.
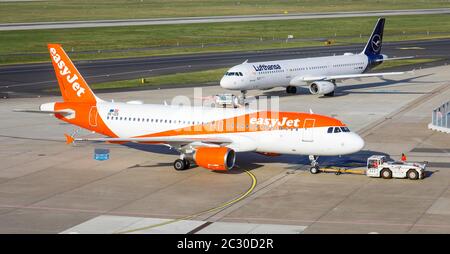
column 320, row 74
column 208, row 137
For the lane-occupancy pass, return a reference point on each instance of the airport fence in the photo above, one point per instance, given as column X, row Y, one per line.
column 440, row 118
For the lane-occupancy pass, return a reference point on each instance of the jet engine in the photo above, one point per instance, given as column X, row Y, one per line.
column 215, row 158
column 321, row 87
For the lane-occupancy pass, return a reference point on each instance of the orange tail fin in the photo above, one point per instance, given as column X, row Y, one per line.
column 72, row 85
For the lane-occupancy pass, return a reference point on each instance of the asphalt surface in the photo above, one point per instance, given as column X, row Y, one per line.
column 47, row 186
column 31, row 80
column 196, row 20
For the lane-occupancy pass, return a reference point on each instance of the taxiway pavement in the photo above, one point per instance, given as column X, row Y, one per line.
column 32, row 80
column 47, row 186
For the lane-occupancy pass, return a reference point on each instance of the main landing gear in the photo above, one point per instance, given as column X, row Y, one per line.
column 314, row 169
column 181, row 164
column 291, row 89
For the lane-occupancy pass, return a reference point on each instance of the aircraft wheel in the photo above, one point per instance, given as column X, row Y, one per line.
column 187, row 163
column 314, row 170
column 386, row 173
column 179, row 165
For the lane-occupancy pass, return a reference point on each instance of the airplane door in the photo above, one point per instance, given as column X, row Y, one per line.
column 308, row 130
column 93, row 116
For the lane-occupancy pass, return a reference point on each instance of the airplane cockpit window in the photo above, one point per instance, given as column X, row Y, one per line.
column 337, row 130
column 345, row 129
column 330, row 130
column 233, row 74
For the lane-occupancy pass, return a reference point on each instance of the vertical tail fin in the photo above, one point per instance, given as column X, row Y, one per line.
column 72, row 85
column 373, row 46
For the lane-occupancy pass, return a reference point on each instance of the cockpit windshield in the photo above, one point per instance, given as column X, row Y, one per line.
column 234, row 74
column 337, row 129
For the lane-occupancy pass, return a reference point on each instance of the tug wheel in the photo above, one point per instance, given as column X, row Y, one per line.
column 386, row 173
column 412, row 174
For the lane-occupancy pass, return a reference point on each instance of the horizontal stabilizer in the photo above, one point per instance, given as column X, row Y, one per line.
column 62, row 112
column 394, row 58
column 69, row 139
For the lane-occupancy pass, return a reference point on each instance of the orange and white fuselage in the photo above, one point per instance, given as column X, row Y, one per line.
column 199, row 133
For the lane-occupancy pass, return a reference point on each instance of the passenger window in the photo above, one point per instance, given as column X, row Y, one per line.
column 337, row 130
column 330, row 130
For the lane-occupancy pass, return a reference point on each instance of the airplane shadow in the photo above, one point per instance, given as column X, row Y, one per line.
column 160, row 149
column 348, row 89
column 251, row 161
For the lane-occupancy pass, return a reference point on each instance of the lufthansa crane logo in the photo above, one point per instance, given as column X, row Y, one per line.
column 376, row 43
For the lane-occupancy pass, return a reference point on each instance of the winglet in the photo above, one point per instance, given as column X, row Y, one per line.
column 69, row 139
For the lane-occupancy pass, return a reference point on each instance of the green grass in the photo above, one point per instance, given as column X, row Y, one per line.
column 59, row 10
column 195, row 78
column 21, row 46
column 203, row 77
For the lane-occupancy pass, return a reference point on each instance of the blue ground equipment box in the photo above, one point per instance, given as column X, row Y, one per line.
column 101, row 154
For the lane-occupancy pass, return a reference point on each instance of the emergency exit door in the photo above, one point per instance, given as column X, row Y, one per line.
column 308, row 130
column 93, row 116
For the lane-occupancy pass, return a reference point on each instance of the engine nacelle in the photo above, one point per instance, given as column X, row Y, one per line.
column 321, row 87
column 215, row 158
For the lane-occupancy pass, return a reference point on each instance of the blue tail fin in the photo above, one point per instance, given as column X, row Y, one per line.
column 373, row 46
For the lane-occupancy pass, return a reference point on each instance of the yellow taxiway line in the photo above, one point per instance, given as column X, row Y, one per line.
column 217, row 208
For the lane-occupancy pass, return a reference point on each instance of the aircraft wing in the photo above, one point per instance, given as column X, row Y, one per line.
column 347, row 76
column 166, row 139
column 239, row 144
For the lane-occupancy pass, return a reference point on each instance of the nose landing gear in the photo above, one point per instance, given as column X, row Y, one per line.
column 243, row 99
column 314, row 169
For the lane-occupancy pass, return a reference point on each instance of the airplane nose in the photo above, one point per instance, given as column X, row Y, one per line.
column 225, row 83
column 356, row 143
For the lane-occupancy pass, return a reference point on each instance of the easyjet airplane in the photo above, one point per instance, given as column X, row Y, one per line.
column 208, row 137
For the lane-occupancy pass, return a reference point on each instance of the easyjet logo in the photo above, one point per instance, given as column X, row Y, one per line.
column 274, row 122
column 65, row 72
